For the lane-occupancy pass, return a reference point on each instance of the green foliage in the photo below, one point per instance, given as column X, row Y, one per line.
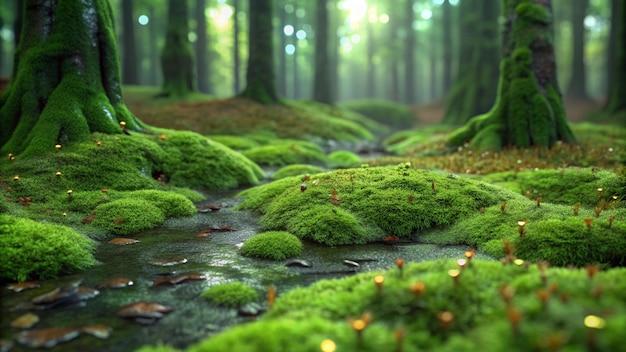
column 345, row 114
column 397, row 116
column 231, row 294
column 275, row 245
column 127, row 215
column 343, row 159
column 286, row 152
column 296, row 170
column 304, row 317
column 360, row 205
column 417, row 141
column 32, row 250
column 238, row 143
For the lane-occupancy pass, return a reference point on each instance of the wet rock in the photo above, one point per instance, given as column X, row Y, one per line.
column 298, row 263
column 168, row 261
column 46, row 337
column 119, row 282
column 143, row 312
column 99, row 330
column 351, row 264
column 123, row 241
column 25, row 321
column 22, row 286
column 212, row 207
column 60, row 296
column 5, row 345
column 175, row 280
column 221, row 228
column 250, row 310
column 203, row 234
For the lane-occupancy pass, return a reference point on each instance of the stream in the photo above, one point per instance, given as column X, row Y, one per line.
column 215, row 257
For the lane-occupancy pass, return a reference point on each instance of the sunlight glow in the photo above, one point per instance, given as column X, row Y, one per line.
column 356, row 9
column 300, row 13
column 192, row 37
column 288, row 30
column 221, row 15
column 355, row 38
column 426, row 14
column 143, row 20
column 590, row 22
column 301, row 34
column 290, row 49
column 384, row 18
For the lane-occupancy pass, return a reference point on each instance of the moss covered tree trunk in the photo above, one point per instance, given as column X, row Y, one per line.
column 260, row 79
column 66, row 78
column 475, row 88
column 528, row 110
column 177, row 61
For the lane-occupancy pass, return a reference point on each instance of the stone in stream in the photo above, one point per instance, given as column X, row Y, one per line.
column 143, row 312
column 123, row 241
column 250, row 310
column 168, row 261
column 46, row 337
column 119, row 282
column 25, row 321
column 351, row 264
column 21, row 286
column 299, row 263
column 175, row 280
column 60, row 296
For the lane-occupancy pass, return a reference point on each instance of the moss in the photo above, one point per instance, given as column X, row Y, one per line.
column 286, row 152
column 275, row 245
column 397, row 116
column 417, row 141
column 304, row 317
column 231, row 294
column 368, row 203
column 296, row 170
column 343, row 113
column 343, row 159
column 172, row 205
column 238, row 143
column 33, row 250
column 126, row 216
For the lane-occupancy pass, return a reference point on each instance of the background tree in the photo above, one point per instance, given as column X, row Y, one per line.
column 577, row 88
column 529, row 109
column 409, row 53
column 446, row 23
column 66, row 79
column 260, row 79
column 475, row 88
column 321, row 86
column 130, row 74
column 203, row 60
column 616, row 104
column 236, row 53
column 177, row 60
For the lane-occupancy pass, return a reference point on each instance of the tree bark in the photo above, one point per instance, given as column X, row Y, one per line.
column 529, row 109
column 447, row 47
column 260, row 79
column 236, row 54
column 129, row 48
column 203, row 61
column 281, row 74
column 371, row 67
column 66, row 82
column 177, row 61
column 475, row 87
column 409, row 54
column 578, row 82
column 321, row 84
column 616, row 104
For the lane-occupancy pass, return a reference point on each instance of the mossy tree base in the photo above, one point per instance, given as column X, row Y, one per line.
column 66, row 80
column 528, row 110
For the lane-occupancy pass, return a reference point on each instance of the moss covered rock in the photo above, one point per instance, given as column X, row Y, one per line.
column 343, row 159
column 32, row 250
column 367, row 204
column 386, row 112
column 296, row 170
column 275, row 245
column 231, row 294
column 127, row 215
column 286, row 152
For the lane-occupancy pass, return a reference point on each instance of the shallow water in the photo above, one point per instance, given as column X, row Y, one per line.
column 216, row 257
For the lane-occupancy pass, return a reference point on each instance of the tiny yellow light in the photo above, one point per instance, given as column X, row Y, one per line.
column 69, row 191
column 521, row 223
column 599, row 189
column 16, row 178
column 518, row 262
column 615, row 197
column 328, row 345
column 461, row 263
column 594, row 322
column 64, row 214
column 359, row 325
column 164, row 137
column 98, row 143
column 379, row 279
column 58, row 147
column 469, row 254
column 58, row 174
column 122, row 123
column 454, row 273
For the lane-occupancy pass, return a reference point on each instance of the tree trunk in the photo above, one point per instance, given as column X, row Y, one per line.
column 260, row 80
column 155, row 73
column 447, row 47
column 578, row 82
column 475, row 88
column 409, row 54
column 616, row 104
column 281, row 74
column 129, row 48
column 177, row 62
column 19, row 19
column 334, row 51
column 612, row 45
column 321, row 86
column 203, row 62
column 529, row 109
column 371, row 67
column 66, row 83
column 236, row 54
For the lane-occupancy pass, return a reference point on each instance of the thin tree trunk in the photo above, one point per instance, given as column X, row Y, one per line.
column 203, row 62
column 236, row 53
column 321, row 86
column 447, row 47
column 177, row 61
column 371, row 68
column 616, row 104
column 281, row 74
column 578, row 82
column 409, row 54
column 129, row 47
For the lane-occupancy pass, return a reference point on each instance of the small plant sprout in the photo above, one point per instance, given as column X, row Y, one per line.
column 507, row 292
column 400, row 334
column 379, row 280
column 592, row 270
column 432, row 185
column 597, row 211
column 10, row 155
column 400, row 265
column 64, row 215
column 411, row 198
column 271, row 296
column 514, row 316
column 69, row 194
column 418, row 289
column 611, row 219
column 521, row 227
column 599, row 193
column 461, row 263
column 509, row 251
column 470, row 254
column 455, row 274
column 597, row 291
column 538, row 202
column 358, row 325
column 58, row 174
column 58, row 147
column 446, row 318
column 503, row 207
column 482, row 210
column 588, row 222
column 328, row 345
column 593, row 322
column 576, row 209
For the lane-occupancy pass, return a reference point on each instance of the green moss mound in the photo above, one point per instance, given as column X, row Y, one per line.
column 367, row 204
column 418, row 141
column 479, row 315
column 296, row 170
column 172, row 204
column 231, row 294
column 238, row 143
column 275, row 245
column 398, row 116
column 127, row 216
column 32, row 250
column 286, row 152
column 343, row 159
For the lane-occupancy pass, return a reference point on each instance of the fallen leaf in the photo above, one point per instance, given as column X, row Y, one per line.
column 175, row 280
column 46, row 337
column 19, row 287
column 119, row 282
column 203, row 234
column 89, row 219
column 143, row 310
column 169, row 261
column 123, row 241
column 25, row 321
column 99, row 330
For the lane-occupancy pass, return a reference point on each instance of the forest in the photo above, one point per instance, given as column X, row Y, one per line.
column 328, row 175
